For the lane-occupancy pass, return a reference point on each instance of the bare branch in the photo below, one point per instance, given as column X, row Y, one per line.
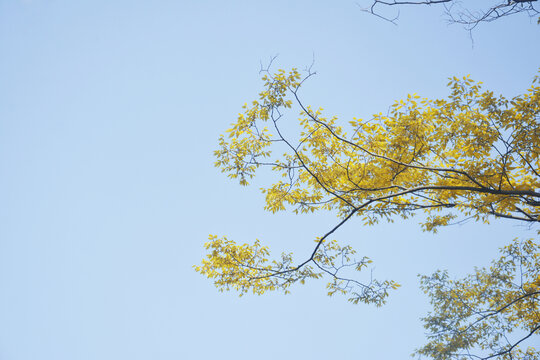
column 455, row 12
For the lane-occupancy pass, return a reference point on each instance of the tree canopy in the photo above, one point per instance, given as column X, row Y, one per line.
column 472, row 155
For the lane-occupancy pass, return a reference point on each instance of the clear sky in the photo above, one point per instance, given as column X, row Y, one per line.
column 109, row 113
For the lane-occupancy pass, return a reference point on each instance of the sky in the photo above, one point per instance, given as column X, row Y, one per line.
column 109, row 115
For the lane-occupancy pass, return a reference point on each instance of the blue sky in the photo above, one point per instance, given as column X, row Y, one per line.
column 109, row 114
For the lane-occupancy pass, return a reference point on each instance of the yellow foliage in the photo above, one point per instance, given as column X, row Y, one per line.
column 472, row 154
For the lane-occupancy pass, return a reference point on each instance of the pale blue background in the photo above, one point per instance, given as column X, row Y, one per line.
column 109, row 113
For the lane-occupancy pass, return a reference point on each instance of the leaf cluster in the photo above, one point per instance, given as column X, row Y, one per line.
column 248, row 268
column 488, row 314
